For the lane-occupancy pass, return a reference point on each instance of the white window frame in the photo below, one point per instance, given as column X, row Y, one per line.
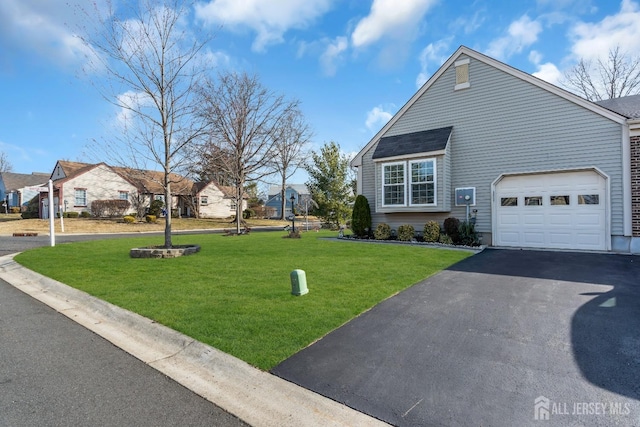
column 204, row 200
column 409, row 190
column 407, row 184
column 123, row 195
column 404, row 183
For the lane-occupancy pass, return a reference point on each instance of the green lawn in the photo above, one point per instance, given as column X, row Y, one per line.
column 235, row 294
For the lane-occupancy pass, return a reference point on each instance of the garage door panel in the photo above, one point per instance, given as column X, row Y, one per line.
column 510, row 219
column 532, row 220
column 560, row 219
column 568, row 223
column 560, row 238
column 534, row 238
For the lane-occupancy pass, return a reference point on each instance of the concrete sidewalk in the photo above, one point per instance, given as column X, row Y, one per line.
column 256, row 397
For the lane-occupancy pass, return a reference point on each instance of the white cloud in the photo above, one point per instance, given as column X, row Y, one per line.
column 377, row 117
column 520, row 34
column 594, row 40
column 435, row 53
column 130, row 102
column 398, row 20
column 333, row 54
column 547, row 71
column 270, row 20
column 43, row 27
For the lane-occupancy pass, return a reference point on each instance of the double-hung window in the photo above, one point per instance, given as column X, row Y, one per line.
column 409, row 183
column 81, row 197
column 393, row 184
column 423, row 182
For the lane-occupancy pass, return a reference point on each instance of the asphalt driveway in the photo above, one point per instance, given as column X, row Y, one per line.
column 505, row 337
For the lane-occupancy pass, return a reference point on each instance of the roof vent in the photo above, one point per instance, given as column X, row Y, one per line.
column 462, row 74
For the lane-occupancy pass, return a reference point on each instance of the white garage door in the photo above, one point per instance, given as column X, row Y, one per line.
column 555, row 210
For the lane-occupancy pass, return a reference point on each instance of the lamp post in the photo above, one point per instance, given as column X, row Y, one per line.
column 293, row 216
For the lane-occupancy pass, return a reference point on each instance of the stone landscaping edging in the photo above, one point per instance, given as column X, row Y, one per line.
column 156, row 252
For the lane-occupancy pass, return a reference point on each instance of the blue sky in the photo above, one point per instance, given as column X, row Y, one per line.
column 352, row 63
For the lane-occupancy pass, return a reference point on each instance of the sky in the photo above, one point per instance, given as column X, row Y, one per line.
column 351, row 63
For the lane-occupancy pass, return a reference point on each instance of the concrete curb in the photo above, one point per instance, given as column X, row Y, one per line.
column 255, row 396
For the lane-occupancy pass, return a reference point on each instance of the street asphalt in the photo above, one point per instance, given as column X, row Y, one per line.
column 503, row 338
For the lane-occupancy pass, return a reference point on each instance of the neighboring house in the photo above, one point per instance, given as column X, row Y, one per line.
column 274, row 199
column 542, row 167
column 77, row 185
column 16, row 189
column 216, row 201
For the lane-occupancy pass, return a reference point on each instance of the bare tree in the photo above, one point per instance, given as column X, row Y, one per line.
column 289, row 149
column 152, row 64
column 617, row 76
column 5, row 164
column 244, row 118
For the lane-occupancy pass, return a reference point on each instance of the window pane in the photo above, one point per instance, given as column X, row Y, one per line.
column 422, row 172
column 124, row 195
column 422, row 194
column 509, row 201
column 533, row 201
column 394, row 195
column 394, row 174
column 589, row 199
column 559, row 200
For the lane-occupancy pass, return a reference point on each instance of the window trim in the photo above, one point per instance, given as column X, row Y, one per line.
column 404, row 183
column 407, row 182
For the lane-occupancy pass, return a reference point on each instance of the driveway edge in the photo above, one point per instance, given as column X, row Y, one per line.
column 255, row 396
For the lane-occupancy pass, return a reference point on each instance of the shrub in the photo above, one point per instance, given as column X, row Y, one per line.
column 156, row 208
column 85, row 214
column 109, row 207
column 14, row 209
column 361, row 217
column 29, row 214
column 452, row 229
column 406, row 232
column 444, row 239
column 248, row 213
column 431, row 231
column 72, row 214
column 383, row 232
column 468, row 234
column 151, row 218
column 129, row 219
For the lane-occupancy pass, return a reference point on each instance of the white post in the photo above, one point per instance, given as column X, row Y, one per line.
column 52, row 232
column 61, row 216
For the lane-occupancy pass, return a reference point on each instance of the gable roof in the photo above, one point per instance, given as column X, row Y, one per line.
column 411, row 143
column 151, row 182
column 73, row 168
column 628, row 106
column 463, row 50
column 15, row 181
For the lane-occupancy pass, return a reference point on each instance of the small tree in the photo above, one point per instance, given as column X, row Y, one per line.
column 329, row 185
column 5, row 164
column 361, row 217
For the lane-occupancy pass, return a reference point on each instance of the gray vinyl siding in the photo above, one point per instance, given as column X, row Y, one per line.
column 502, row 124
